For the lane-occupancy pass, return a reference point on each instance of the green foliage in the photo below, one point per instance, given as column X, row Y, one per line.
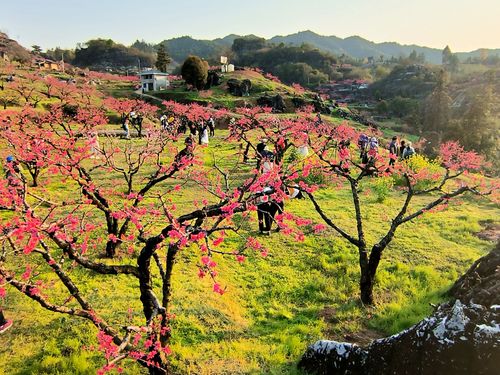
column 248, row 44
column 477, row 129
column 105, row 52
column 382, row 186
column 195, row 71
column 301, row 64
column 450, row 61
column 408, row 81
column 419, row 163
column 301, row 73
column 57, row 54
column 436, row 113
column 402, row 107
column 162, row 59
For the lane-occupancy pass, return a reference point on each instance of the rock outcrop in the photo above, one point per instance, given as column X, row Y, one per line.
column 276, row 102
column 460, row 337
column 239, row 88
column 481, row 283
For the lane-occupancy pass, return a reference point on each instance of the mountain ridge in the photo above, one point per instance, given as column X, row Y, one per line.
column 353, row 46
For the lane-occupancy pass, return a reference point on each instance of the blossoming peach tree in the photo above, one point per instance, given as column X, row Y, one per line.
column 334, row 156
column 117, row 199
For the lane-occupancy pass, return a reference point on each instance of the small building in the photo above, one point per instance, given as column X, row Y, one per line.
column 153, row 80
column 46, row 64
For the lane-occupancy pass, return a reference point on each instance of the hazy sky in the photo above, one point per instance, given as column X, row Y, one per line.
column 463, row 24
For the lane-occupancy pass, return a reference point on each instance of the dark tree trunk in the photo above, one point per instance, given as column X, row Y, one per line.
column 369, row 268
column 366, row 288
column 112, row 245
column 34, row 172
column 157, row 370
column 111, row 249
column 167, row 290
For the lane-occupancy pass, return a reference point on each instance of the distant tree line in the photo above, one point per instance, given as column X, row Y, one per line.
column 106, row 52
column 301, row 64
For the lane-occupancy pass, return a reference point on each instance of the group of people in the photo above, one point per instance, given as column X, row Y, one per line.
column 133, row 118
column 368, row 147
column 203, row 129
column 401, row 150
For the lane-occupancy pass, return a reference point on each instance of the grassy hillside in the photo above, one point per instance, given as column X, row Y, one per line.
column 219, row 95
column 274, row 306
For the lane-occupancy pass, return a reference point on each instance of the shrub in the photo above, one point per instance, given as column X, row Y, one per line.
column 427, row 170
column 382, row 187
column 195, row 71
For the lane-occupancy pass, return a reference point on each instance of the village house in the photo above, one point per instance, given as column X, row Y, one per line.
column 46, row 64
column 153, row 80
column 346, row 91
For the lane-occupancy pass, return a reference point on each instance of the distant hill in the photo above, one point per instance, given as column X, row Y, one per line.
column 13, row 50
column 353, row 46
column 358, row 47
column 106, row 54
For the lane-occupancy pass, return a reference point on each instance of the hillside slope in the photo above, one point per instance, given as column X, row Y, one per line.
column 13, row 50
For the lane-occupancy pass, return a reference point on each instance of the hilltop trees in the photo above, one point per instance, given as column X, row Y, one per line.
column 449, row 60
column 437, row 113
column 195, row 72
column 162, row 59
column 248, row 44
column 100, row 52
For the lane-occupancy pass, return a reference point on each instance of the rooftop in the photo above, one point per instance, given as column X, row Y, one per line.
column 155, row 72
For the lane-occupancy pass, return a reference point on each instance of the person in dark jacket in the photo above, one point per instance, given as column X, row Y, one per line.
column 267, row 210
column 393, row 150
column 186, row 153
column 260, row 152
column 402, row 147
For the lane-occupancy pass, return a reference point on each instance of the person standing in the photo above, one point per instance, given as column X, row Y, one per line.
column 15, row 177
column 125, row 127
column 267, row 208
column 186, row 154
column 402, row 147
column 204, row 136
column 94, row 144
column 363, row 145
column 211, row 126
column 260, row 152
column 393, row 150
column 164, row 121
column 409, row 151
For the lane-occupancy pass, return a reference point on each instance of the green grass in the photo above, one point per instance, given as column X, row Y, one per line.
column 273, row 307
column 218, row 95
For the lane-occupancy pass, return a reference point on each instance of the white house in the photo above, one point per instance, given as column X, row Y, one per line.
column 153, row 80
